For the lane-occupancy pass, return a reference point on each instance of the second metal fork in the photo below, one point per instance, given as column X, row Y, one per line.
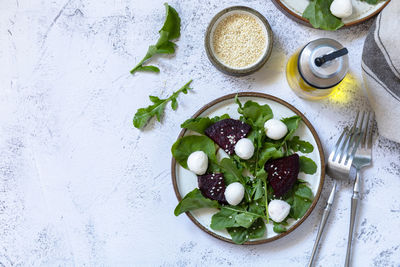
column 362, row 159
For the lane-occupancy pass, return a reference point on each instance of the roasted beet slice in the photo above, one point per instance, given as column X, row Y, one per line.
column 213, row 186
column 227, row 132
column 282, row 173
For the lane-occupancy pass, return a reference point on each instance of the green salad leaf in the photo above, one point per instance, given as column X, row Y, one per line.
column 200, row 124
column 307, row 165
column 231, row 172
column 319, row 15
column 194, row 200
column 230, row 216
column 143, row 115
column 279, row 228
column 300, row 199
column 372, row 2
column 170, row 30
column 186, row 145
column 254, row 113
column 241, row 234
column 299, row 145
column 292, row 123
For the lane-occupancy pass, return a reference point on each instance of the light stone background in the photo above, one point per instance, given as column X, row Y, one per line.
column 80, row 186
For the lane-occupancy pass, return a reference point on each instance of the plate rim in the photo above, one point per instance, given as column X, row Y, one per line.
column 292, row 15
column 316, row 138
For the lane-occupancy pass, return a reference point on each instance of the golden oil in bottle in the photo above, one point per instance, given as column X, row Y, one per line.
column 311, row 80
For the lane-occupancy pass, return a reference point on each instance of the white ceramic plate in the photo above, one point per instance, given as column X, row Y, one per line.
column 362, row 11
column 185, row 181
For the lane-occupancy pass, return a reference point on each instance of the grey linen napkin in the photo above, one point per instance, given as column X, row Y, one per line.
column 381, row 70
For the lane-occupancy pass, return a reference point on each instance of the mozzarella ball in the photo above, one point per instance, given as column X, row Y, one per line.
column 275, row 129
column 234, row 193
column 278, row 210
column 197, row 162
column 342, row 8
column 244, row 148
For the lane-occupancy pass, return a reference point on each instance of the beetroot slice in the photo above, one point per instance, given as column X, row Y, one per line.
column 227, row 132
column 213, row 186
column 283, row 173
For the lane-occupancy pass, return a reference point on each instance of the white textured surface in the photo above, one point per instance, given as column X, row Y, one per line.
column 80, row 186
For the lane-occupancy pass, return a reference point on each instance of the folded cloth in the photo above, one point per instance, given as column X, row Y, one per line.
column 381, row 70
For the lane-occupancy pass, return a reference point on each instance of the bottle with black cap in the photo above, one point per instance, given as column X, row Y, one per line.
column 317, row 69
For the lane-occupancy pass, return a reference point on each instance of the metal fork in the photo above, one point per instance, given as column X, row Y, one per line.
column 339, row 165
column 362, row 159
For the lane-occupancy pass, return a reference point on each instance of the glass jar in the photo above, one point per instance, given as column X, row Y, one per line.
column 317, row 69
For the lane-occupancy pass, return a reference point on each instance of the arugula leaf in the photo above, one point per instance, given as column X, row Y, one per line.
column 231, row 216
column 299, row 145
column 372, row 2
column 200, row 124
column 223, row 219
column 186, row 145
column 143, row 115
column 194, row 200
column 231, row 172
column 240, row 234
column 300, row 200
column 307, row 165
column 279, row 228
column 319, row 15
column 170, row 30
column 292, row 123
column 255, row 114
column 268, row 152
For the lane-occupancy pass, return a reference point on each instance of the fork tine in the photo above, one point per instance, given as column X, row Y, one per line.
column 358, row 133
column 335, row 150
column 371, row 132
column 352, row 133
column 357, row 143
column 350, row 139
column 364, row 138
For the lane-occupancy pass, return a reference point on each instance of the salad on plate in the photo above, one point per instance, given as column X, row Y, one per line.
column 248, row 169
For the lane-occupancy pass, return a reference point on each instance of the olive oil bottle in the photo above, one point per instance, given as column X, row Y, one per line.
column 317, row 69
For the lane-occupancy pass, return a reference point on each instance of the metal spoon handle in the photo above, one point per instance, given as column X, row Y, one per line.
column 354, row 204
column 322, row 224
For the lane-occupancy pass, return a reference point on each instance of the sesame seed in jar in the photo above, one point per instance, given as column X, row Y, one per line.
column 239, row 40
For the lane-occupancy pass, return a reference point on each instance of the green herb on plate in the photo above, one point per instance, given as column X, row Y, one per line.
column 195, row 200
column 171, row 30
column 319, row 15
column 143, row 115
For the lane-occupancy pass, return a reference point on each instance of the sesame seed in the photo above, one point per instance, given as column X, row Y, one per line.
column 259, row 226
column 230, row 217
column 247, row 236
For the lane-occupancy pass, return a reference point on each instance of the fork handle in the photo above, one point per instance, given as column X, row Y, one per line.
column 354, row 204
column 324, row 218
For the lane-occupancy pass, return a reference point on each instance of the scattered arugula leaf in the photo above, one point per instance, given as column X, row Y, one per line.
column 186, row 145
column 194, row 200
column 200, row 124
column 143, row 115
column 307, row 165
column 319, row 15
column 170, row 30
column 299, row 145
